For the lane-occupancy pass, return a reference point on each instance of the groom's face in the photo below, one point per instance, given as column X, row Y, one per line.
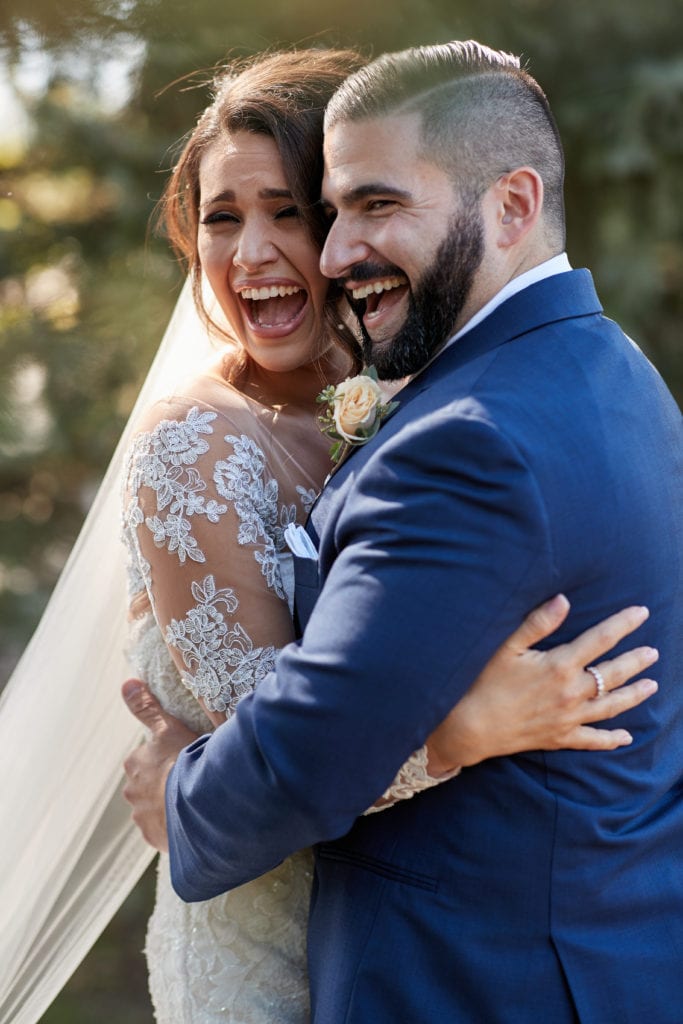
column 405, row 247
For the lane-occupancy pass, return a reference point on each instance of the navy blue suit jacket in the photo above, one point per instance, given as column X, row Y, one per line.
column 539, row 453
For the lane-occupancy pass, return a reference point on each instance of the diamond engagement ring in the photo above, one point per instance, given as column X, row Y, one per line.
column 600, row 688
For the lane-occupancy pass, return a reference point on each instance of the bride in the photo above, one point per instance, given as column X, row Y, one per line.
column 214, row 473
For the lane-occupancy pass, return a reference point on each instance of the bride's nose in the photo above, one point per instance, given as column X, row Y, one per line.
column 254, row 247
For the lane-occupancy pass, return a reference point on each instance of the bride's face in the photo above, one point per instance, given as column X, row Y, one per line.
column 257, row 254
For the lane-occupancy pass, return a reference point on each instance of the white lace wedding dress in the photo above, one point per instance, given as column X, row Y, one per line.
column 212, row 479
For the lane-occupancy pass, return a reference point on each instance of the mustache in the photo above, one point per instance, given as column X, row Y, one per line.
column 368, row 271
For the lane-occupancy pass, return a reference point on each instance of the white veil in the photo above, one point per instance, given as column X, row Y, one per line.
column 69, row 854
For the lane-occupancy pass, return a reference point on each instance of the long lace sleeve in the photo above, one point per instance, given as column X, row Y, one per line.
column 206, row 519
column 413, row 777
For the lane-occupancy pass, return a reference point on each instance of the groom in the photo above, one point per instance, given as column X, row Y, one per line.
column 537, row 451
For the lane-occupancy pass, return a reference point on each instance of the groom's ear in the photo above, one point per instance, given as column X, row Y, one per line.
column 518, row 203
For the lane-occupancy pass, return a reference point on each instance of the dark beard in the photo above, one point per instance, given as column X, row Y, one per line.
column 436, row 301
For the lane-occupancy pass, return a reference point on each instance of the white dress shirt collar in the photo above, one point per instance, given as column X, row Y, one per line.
column 555, row 265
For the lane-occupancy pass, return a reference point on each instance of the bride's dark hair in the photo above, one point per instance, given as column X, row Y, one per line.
column 283, row 95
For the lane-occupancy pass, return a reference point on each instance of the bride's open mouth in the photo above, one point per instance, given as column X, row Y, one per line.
column 373, row 299
column 274, row 310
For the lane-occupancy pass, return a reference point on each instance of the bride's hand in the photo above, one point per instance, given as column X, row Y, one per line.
column 525, row 699
column 148, row 766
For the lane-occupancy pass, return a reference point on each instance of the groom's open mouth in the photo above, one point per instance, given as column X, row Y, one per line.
column 372, row 300
column 274, row 310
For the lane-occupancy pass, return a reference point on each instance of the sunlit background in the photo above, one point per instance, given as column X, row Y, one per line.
column 88, row 119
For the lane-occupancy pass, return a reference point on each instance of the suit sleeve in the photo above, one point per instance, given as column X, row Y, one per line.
column 441, row 548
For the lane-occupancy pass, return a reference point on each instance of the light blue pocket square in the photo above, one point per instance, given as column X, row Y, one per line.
column 299, row 543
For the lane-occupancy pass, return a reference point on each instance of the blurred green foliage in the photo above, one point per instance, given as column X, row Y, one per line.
column 85, row 290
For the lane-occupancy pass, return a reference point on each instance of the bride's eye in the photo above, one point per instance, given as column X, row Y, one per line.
column 219, row 217
column 287, row 211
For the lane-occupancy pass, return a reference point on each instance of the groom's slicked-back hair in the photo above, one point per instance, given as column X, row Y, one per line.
column 482, row 115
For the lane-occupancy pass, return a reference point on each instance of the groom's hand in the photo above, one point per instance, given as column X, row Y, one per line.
column 148, row 766
column 526, row 699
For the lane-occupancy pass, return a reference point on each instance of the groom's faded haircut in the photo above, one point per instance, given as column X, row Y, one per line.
column 482, row 115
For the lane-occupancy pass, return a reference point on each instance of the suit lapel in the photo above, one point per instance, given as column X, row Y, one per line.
column 561, row 297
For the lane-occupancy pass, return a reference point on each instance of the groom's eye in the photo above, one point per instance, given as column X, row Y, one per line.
column 380, row 205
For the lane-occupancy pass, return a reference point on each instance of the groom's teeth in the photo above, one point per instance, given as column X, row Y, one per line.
column 273, row 292
column 378, row 286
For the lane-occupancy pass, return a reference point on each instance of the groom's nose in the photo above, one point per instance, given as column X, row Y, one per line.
column 343, row 248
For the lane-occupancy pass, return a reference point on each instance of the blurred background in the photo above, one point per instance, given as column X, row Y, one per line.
column 88, row 119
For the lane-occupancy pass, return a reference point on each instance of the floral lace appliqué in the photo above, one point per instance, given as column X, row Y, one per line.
column 239, row 958
column 225, row 662
column 307, row 497
column 241, row 479
column 164, row 460
column 413, row 777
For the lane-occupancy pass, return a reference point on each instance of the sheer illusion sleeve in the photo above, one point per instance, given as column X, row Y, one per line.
column 207, row 518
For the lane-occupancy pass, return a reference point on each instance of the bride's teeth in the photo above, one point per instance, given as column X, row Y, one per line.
column 272, row 292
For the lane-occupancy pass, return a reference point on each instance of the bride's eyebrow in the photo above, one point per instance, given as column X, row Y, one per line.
column 228, row 195
column 275, row 193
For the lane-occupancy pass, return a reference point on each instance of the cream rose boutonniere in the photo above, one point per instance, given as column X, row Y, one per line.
column 354, row 411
